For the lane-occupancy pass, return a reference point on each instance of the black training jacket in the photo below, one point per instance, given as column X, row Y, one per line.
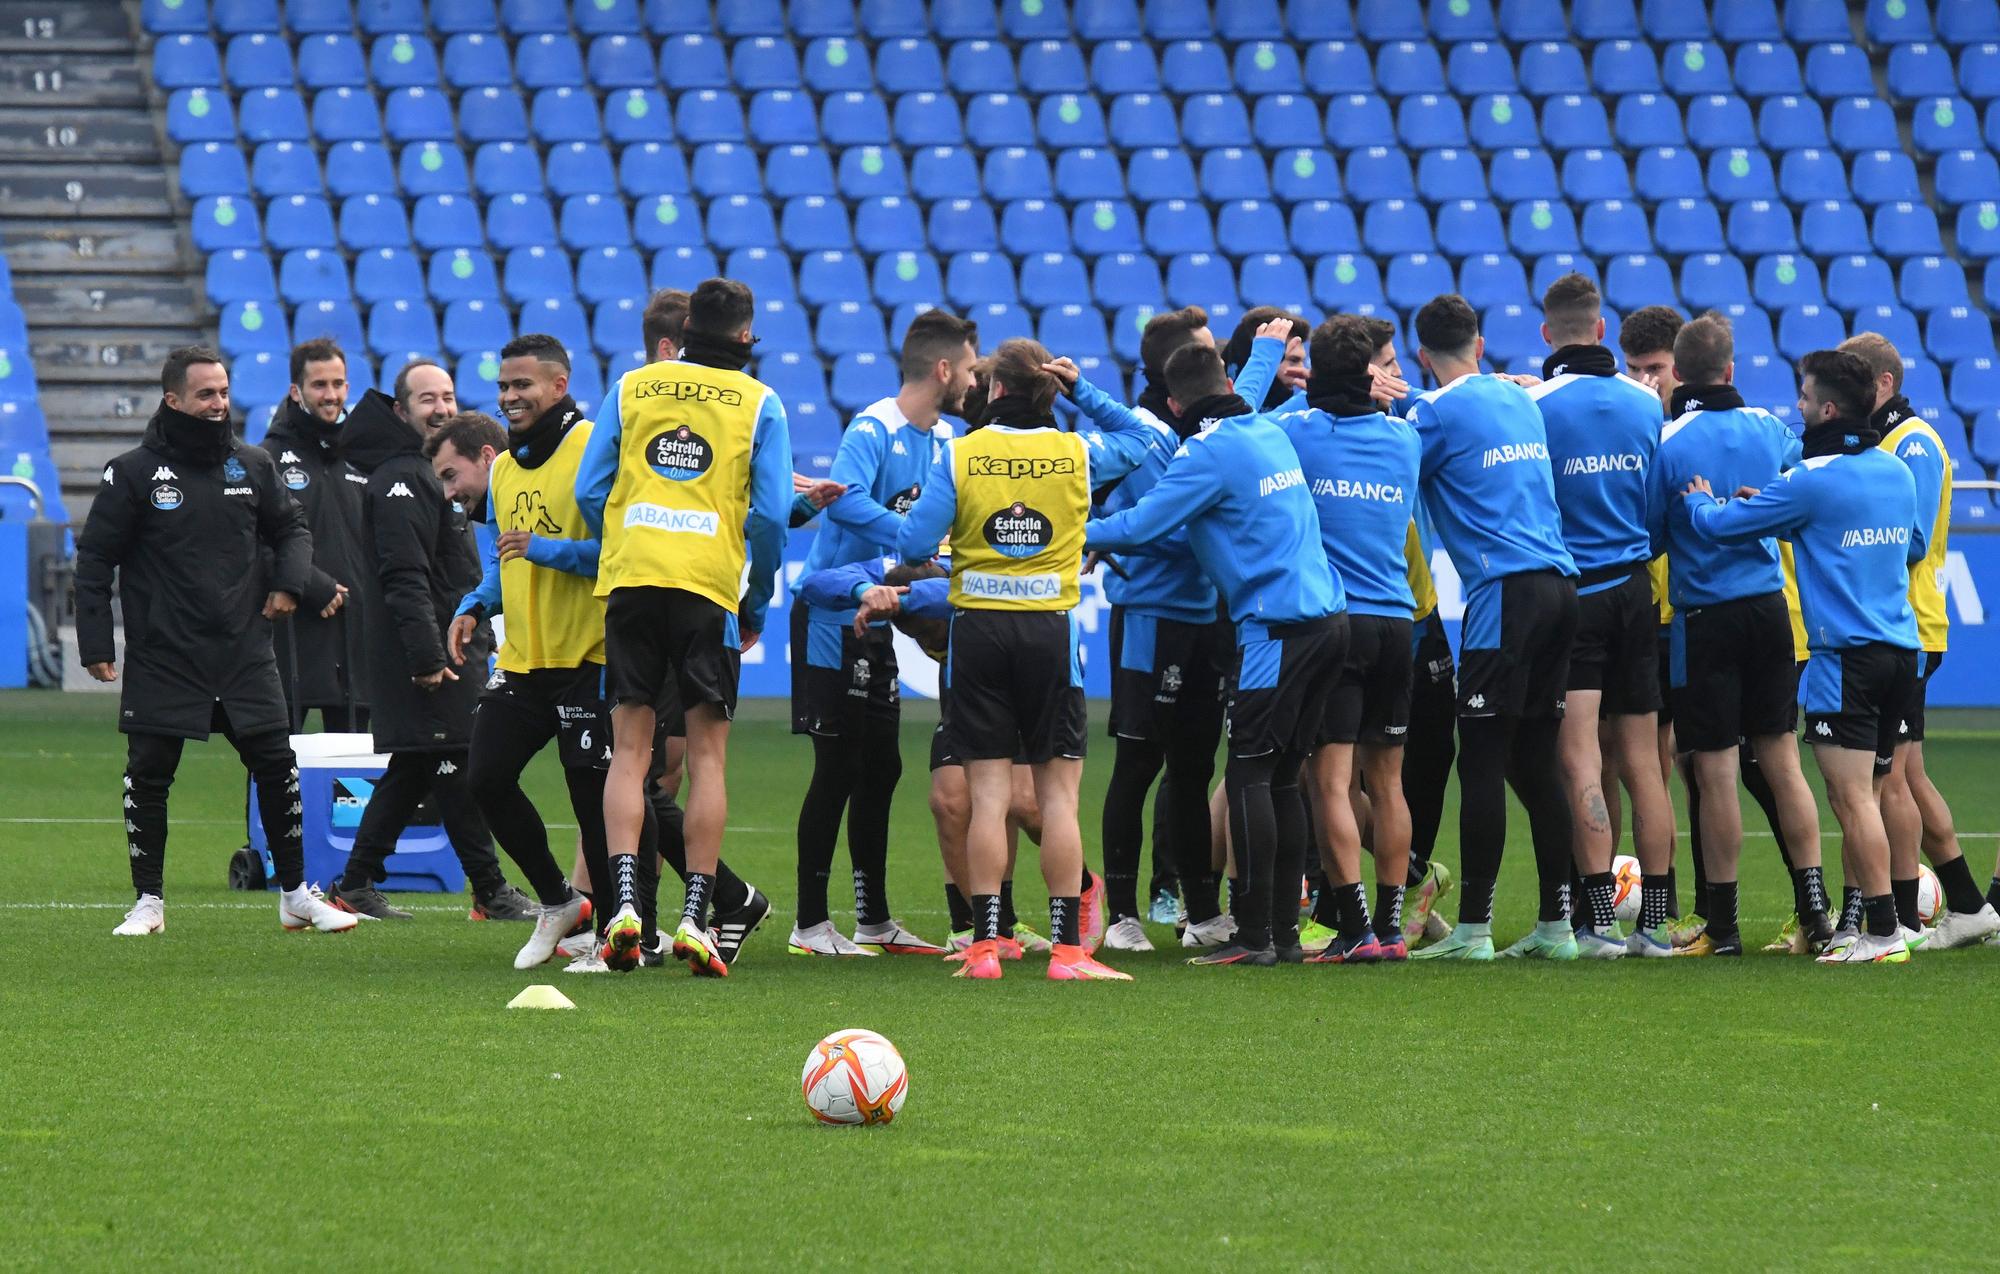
column 198, row 528
column 330, row 492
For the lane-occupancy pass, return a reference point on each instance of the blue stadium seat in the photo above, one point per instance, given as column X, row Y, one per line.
column 1379, row 172
column 417, row 115
column 1968, row 22
column 1250, row 224
column 767, row 272
column 378, row 16
column 1426, row 120
column 564, row 320
column 472, row 326
column 1759, row 227
column 1305, row 173
column 1449, row 175
column 1089, row 173
column 427, row 168
column 1767, row 69
column 387, row 274
column 403, row 60
column 1249, row 20
column 1347, row 283
column 1958, row 332
column 298, row 221
column 1524, row 21
column 1103, row 226
column 247, row 327
column 1615, row 227
column 1898, row 21
column 1985, row 447
column 909, row 66
column 1124, row 66
column 1808, row 175
column 1268, row 67
column 581, row 168
column 1468, row 226
column 1721, row 120
column 1405, row 67
column 782, row 117
column 1341, row 63
column 712, row 116
column 1960, row 177
column 1126, row 278
column 1177, row 226
column 1455, row 20
column 961, row 20
column 186, row 61
column 373, row 221
column 1071, row 120
column 1594, row 20
column 1637, row 280
column 616, row 61
column 1918, row 70
column 683, row 267
column 317, row 275
column 541, row 17
column 462, row 274
column 1827, row 228
column 1664, row 20
column 470, row 61
column 1884, row 176
column 1571, row 122
column 1694, row 68
column 858, row 380
column 1804, row 328
column 1838, row 70
column 943, row 172
column 1590, row 175
column 815, row 223
column 167, row 17
column 451, row 16
column 1942, row 124
column 1550, row 69
column 1052, row 278
column 1892, row 321
column 281, row 168
column 1393, row 227
column 755, row 65
column 854, row 119
column 519, row 221
column 1310, row 20
column 394, row 326
column 1159, row 173
column 998, row 119
column 794, row 377
column 1975, row 386
column 977, row 278
column 1233, row 173
column 1521, row 174
column 1033, row 19
column 1141, row 121
column 1863, row 123
column 1477, row 67
column 1513, row 336
column 1017, row 172
column 904, row 277
column 980, row 66
column 650, row 169
column 1502, row 121
column 1923, row 382
column 1685, row 226
column 1177, row 22
column 1052, row 66
column 836, row 65
column 1906, row 230
column 448, row 221
column 831, row 276
column 1379, row 20
column 751, row 18
column 490, row 115
column 850, row 327
column 1195, row 66
column 1857, row 280
column 1283, row 120
column 274, row 115
column 1492, row 279
column 216, row 168
column 1357, row 121
column 693, row 61
column 927, row 119
column 1196, row 278
column 962, row 225
column 725, row 168
column 1791, row 123
column 1932, row 283
column 1218, row 119
column 1647, row 119
column 240, row 274
column 1816, row 21
column 332, row 61
column 1711, row 279
column 1779, row 281
column 1538, row 227
column 1624, row 66
column 594, row 221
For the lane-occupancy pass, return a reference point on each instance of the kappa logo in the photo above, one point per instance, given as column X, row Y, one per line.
column 497, row 680
column 131, row 826
column 164, row 474
column 447, row 767
column 531, row 513
column 899, row 448
column 1692, row 404
column 289, row 457
column 401, row 490
column 132, row 847
column 110, row 475
column 1018, row 466
column 1823, row 730
column 1476, row 702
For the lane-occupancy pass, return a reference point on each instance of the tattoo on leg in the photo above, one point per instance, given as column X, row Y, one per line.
column 1594, row 810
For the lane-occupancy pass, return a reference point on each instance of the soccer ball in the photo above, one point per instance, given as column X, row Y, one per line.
column 1625, row 887
column 854, row 1077
column 1930, row 896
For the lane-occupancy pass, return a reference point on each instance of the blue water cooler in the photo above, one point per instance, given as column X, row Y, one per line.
column 337, row 775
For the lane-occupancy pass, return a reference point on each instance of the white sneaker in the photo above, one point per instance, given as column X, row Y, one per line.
column 552, row 924
column 588, row 962
column 823, row 939
column 1127, row 935
column 1599, row 944
column 890, row 938
column 1963, row 929
column 577, row 944
column 1915, row 939
column 148, row 915
column 306, row 908
column 1867, row 948
column 1209, row 933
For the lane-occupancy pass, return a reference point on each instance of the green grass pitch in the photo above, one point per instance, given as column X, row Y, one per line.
column 230, row 1096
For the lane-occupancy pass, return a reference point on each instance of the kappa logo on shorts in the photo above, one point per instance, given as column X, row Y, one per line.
column 1019, row 531
column 1823, row 730
column 166, row 498
column 1476, row 702
column 680, row 454
column 1395, row 731
column 447, row 767
column 497, row 680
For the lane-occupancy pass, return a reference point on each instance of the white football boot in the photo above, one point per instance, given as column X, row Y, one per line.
column 823, row 939
column 148, row 915
column 1127, row 935
column 1867, row 948
column 589, row 962
column 306, row 908
column 1964, row 929
column 890, row 938
column 552, row 924
column 1209, row 933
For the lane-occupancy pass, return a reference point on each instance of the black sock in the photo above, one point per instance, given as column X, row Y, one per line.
column 626, row 868
column 731, row 893
column 1007, row 917
column 1581, row 915
column 1326, row 906
column 649, row 894
column 881, row 767
column 1603, row 896
column 1673, row 894
column 1993, row 893
column 1656, row 894
column 1415, row 875
column 1722, row 909
column 1135, row 764
column 1881, row 915
column 1809, row 890
column 870, row 907
column 1960, row 894
column 1475, row 901
column 695, row 909
column 835, row 762
column 986, row 917
column 1904, row 892
column 1389, row 912
column 1062, row 922
column 1235, row 885
column 1351, row 902
column 960, row 907
column 1850, row 908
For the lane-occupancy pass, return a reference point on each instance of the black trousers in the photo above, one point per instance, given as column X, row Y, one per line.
column 151, row 761
column 506, row 735
column 411, row 777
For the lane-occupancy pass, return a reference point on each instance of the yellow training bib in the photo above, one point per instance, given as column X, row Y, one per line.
column 675, row 515
column 554, row 619
column 1422, row 586
column 1656, row 570
column 1017, row 536
column 1800, row 651
column 1927, row 576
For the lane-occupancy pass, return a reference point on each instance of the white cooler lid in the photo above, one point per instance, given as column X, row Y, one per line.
column 321, row 751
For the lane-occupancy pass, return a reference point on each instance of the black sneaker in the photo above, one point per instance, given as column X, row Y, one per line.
column 504, row 903
column 733, row 928
column 1263, row 957
column 365, row 901
column 1293, row 954
column 1729, row 946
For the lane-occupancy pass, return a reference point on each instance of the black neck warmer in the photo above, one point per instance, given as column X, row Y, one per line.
column 534, row 445
column 1839, row 437
column 1343, row 394
column 714, row 351
column 1015, row 411
column 1214, row 407
column 1705, row 398
column 1154, row 399
column 1893, row 413
column 1579, row 360
column 191, row 438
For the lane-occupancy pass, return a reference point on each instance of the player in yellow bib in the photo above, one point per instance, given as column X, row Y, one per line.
column 1013, row 496
column 688, row 473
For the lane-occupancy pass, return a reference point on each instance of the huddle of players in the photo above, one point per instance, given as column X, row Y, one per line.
column 1269, row 565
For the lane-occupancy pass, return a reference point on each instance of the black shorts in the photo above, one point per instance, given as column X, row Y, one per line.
column 1855, row 698
column 1664, row 668
column 566, row 704
column 666, row 648
column 1913, row 711
column 1434, row 675
column 1617, row 649
column 1162, row 669
column 1371, row 700
column 1279, row 689
column 840, row 681
column 1016, row 686
column 1514, row 648
column 1734, row 674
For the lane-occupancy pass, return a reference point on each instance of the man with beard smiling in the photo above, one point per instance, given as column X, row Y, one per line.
column 317, row 665
column 425, row 396
column 843, row 685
